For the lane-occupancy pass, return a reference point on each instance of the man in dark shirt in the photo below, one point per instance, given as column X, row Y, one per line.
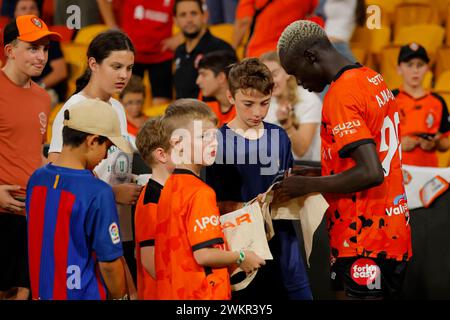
column 191, row 19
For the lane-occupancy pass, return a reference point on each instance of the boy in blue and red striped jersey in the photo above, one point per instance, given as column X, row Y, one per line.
column 74, row 247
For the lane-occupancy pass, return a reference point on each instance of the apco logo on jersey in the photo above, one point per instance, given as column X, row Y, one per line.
column 346, row 128
column 204, row 222
column 400, row 206
column 114, row 233
column 364, row 272
column 238, row 221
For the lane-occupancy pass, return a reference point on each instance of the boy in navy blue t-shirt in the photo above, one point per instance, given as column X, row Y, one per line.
column 251, row 154
column 74, row 246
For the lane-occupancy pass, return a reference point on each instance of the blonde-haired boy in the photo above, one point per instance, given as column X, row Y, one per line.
column 190, row 253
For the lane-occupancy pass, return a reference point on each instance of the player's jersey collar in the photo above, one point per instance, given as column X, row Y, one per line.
column 347, row 67
column 185, row 171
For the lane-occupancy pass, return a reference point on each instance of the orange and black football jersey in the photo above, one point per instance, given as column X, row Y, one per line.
column 424, row 115
column 145, row 226
column 188, row 220
column 222, row 117
column 360, row 109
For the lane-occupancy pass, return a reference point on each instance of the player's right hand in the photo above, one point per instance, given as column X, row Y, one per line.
column 7, row 202
column 127, row 193
column 252, row 262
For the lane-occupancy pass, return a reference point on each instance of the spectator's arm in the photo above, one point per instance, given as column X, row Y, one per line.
column 113, row 274
column 148, row 260
column 58, row 74
column 217, row 258
column 106, row 10
column 302, row 137
column 173, row 42
column 126, row 193
column 241, row 26
column 7, row 201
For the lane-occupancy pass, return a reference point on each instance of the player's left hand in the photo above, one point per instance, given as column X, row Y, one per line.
column 290, row 188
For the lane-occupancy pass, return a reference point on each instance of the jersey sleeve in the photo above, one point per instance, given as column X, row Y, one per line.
column 203, row 222
column 444, row 126
column 145, row 224
column 103, row 226
column 348, row 124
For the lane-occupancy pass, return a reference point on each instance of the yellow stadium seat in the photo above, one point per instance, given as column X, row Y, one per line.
column 148, row 93
column 430, row 36
column 443, row 82
column 360, row 54
column 372, row 41
column 51, row 118
column 75, row 56
column 442, row 6
column 86, row 34
column 156, row 111
column 387, row 6
column 414, row 13
column 223, row 31
column 447, row 23
column 442, row 61
column 388, row 69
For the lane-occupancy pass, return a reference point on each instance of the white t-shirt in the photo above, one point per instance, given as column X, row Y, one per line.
column 340, row 18
column 117, row 166
column 308, row 110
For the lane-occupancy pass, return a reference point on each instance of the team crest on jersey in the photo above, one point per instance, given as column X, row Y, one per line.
column 430, row 120
column 406, row 177
column 36, row 22
column 114, row 233
column 43, row 121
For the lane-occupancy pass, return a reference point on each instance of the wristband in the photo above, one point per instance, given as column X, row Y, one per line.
column 241, row 258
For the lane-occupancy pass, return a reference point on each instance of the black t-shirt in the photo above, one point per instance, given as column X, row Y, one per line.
column 186, row 64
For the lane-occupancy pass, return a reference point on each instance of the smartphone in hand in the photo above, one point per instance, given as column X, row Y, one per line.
column 426, row 136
